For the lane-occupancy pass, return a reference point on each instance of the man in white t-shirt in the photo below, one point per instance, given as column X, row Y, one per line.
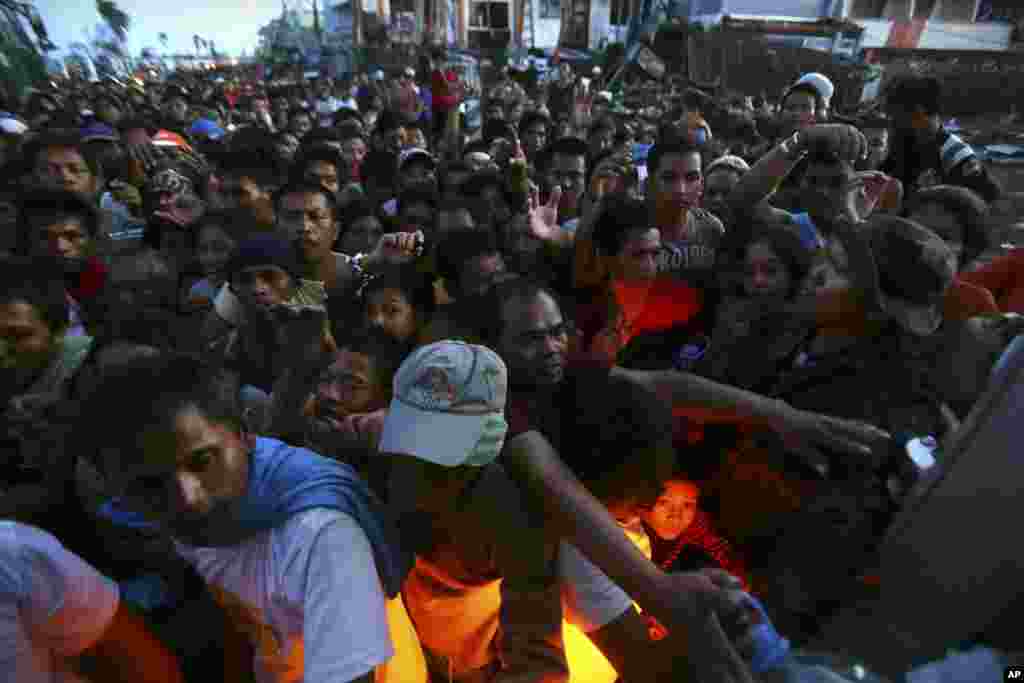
column 293, row 546
column 61, row 620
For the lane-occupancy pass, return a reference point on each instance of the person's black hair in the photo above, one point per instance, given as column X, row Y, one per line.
column 495, row 129
column 59, row 138
column 236, row 223
column 131, row 336
column 305, row 187
column 416, row 285
column 791, row 250
column 47, row 206
column 150, row 393
column 475, row 184
column 298, row 111
column 451, row 167
column 319, row 137
column 257, row 162
column 459, row 247
column 570, row 146
column 874, row 121
column 133, row 122
column 532, row 117
column 387, row 121
column 252, row 138
column 620, row 215
column 602, row 124
column 970, row 210
column 39, row 283
column 313, row 154
column 824, row 153
column 670, row 143
column 386, row 352
column 911, row 92
column 350, row 130
column 344, row 115
column 355, row 210
column 475, row 146
column 631, row 178
column 806, row 89
column 417, row 195
column 612, row 428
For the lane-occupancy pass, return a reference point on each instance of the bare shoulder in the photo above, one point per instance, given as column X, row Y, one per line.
column 706, row 223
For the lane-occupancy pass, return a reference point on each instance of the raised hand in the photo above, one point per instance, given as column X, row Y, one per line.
column 398, row 247
column 807, row 434
column 544, row 217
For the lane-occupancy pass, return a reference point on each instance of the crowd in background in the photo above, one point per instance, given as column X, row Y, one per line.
column 330, row 381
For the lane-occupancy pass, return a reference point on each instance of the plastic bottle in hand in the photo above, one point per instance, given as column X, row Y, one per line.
column 519, row 179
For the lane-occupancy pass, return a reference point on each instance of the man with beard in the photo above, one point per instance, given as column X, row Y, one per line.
column 294, row 547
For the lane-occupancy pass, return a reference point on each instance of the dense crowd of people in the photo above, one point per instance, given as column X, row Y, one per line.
column 320, row 382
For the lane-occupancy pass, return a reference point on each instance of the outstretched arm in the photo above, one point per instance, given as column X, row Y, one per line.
column 686, row 602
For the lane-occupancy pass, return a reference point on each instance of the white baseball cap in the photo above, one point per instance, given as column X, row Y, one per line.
column 12, row 126
column 448, row 406
column 819, row 82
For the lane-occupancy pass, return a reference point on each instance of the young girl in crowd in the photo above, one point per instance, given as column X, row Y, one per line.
column 216, row 240
column 398, row 301
column 683, row 537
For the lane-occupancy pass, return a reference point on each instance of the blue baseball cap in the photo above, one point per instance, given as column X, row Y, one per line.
column 206, row 128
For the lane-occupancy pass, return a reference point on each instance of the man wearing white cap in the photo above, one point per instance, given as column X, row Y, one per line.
column 486, row 593
column 825, row 89
column 483, row 594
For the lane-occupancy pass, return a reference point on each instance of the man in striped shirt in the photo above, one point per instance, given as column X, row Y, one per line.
column 923, row 153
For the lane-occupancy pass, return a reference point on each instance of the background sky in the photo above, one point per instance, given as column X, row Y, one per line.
column 230, row 24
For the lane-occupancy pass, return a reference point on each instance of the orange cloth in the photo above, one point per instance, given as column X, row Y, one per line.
column 1004, row 278
column 629, row 309
column 842, row 311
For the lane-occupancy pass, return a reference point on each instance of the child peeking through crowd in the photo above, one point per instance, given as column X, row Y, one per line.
column 683, row 537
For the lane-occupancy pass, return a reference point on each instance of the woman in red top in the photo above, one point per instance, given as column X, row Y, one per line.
column 683, row 537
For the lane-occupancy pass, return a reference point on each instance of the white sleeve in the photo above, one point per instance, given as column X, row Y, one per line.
column 228, row 307
column 591, row 599
column 65, row 603
column 345, row 627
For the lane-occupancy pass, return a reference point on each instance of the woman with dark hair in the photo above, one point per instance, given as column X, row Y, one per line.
column 399, row 301
column 776, row 265
column 773, row 270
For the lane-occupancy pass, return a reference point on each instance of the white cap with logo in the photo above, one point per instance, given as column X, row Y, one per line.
column 819, row 82
column 448, row 406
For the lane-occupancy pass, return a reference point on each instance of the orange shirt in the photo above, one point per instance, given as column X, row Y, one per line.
column 1004, row 278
